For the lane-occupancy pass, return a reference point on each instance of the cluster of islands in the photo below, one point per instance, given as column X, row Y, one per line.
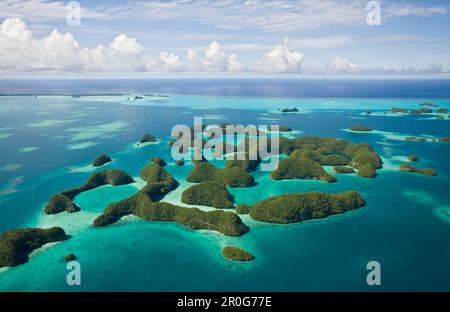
column 304, row 158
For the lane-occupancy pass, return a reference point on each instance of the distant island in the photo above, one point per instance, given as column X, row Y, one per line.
column 292, row 208
column 233, row 253
column 208, row 193
column 413, row 158
column 16, row 245
column 146, row 204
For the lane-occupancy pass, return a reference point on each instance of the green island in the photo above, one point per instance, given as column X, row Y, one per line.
column 424, row 171
column 208, row 193
column 343, row 169
column 63, row 201
column 290, row 110
column 366, row 171
column 444, row 140
column 148, row 138
column 146, row 205
column 233, row 253
column 158, row 161
column 301, row 168
column 360, row 128
column 442, row 111
column 179, row 163
column 70, row 257
column 329, row 152
column 232, row 175
column 413, row 158
column 16, row 245
column 416, row 139
column 101, row 160
column 293, row 208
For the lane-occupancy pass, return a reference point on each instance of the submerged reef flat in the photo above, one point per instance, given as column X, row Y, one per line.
column 16, row 245
column 233, row 253
column 63, row 201
column 292, row 208
column 424, row 171
column 209, row 193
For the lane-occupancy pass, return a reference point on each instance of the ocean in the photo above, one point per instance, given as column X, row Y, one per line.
column 48, row 138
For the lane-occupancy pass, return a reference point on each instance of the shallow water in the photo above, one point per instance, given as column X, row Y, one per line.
column 405, row 225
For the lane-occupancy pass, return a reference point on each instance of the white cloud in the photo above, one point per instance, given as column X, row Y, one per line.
column 126, row 45
column 280, row 60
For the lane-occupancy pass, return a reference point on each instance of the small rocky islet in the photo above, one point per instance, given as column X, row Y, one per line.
column 306, row 156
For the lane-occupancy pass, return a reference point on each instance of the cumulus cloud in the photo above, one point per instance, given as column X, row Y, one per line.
column 280, row 60
column 343, row 66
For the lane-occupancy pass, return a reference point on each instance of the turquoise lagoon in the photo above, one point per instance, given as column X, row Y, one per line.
column 48, row 142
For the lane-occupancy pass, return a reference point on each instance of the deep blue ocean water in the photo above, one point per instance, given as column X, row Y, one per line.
column 47, row 143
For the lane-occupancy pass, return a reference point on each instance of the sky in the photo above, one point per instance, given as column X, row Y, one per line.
column 301, row 38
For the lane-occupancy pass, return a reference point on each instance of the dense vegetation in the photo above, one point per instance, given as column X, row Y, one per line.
column 146, row 204
column 330, row 151
column 424, row 171
column 442, row 111
column 399, row 110
column 158, row 161
column 179, row 163
column 209, row 193
column 289, row 110
column 413, row 158
column 233, row 253
column 232, row 175
column 147, row 138
column 360, row 128
column 291, row 208
column 63, row 201
column 16, row 245
column 101, row 160
column 301, row 168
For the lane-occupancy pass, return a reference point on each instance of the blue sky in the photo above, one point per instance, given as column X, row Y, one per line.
column 303, row 38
